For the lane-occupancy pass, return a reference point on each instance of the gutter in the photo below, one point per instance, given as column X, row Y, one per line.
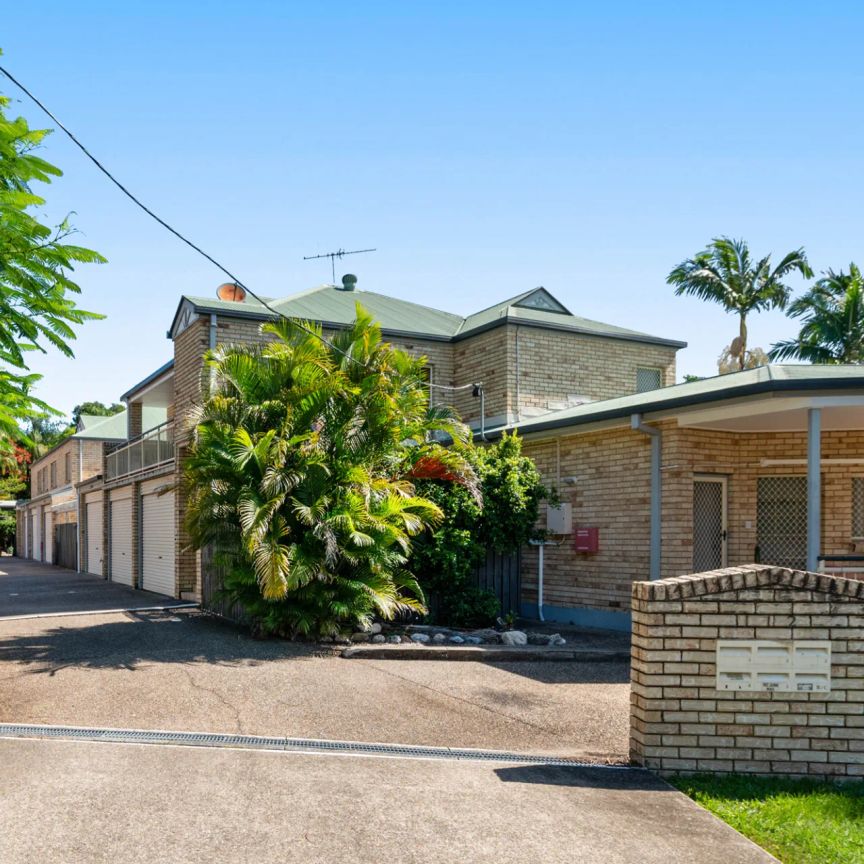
column 654, row 433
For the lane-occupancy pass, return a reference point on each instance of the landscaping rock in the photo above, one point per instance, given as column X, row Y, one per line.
column 360, row 637
column 488, row 635
column 473, row 640
column 395, row 639
column 555, row 640
column 457, row 640
column 514, row 637
column 538, row 639
column 406, row 638
column 374, row 629
column 439, row 638
column 379, row 638
column 420, row 638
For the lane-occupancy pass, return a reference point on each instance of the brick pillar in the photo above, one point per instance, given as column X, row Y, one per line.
column 134, row 419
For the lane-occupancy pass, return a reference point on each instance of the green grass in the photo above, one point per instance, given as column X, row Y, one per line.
column 798, row 821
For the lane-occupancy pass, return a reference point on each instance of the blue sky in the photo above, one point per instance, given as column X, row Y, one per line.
column 483, row 148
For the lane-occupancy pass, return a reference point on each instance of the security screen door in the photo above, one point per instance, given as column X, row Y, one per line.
column 709, row 523
column 781, row 521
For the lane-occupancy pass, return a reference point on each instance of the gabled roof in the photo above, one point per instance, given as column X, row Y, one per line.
column 335, row 306
column 752, row 382
column 164, row 369
column 96, row 428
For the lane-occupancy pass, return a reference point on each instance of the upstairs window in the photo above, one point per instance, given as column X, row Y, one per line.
column 648, row 378
column 67, row 468
column 53, row 474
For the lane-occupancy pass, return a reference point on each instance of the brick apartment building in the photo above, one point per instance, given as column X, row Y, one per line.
column 669, row 478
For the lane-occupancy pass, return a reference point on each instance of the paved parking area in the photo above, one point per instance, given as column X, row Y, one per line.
column 32, row 588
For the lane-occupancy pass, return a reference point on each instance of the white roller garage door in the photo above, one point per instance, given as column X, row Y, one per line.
column 121, row 540
column 94, row 537
column 157, row 543
column 49, row 537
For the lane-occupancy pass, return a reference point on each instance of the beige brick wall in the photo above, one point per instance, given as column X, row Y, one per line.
column 612, row 492
column 680, row 722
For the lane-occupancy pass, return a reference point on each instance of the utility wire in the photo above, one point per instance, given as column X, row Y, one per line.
column 296, row 321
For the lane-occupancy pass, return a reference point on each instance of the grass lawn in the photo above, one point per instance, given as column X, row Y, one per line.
column 798, row 821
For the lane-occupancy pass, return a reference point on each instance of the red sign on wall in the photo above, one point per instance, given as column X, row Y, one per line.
column 587, row 540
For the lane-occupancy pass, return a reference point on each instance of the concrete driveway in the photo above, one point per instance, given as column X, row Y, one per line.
column 33, row 588
column 66, row 801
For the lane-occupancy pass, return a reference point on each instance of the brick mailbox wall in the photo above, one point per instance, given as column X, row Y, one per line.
column 681, row 722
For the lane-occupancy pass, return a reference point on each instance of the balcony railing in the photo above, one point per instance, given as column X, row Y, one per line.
column 155, row 447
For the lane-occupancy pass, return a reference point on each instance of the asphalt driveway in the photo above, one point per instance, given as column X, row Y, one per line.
column 32, row 588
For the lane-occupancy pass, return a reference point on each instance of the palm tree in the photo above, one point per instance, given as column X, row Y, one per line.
column 725, row 273
column 833, row 321
column 302, row 470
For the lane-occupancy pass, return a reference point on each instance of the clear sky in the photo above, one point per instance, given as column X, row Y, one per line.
column 484, row 148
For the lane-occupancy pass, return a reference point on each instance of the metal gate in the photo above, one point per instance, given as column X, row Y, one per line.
column 709, row 523
column 66, row 545
column 212, row 582
column 502, row 575
column 781, row 521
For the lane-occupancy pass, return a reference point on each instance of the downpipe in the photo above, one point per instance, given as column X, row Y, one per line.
column 637, row 425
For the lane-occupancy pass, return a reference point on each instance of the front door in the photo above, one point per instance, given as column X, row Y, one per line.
column 709, row 523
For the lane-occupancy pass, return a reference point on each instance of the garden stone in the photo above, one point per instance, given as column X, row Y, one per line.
column 378, row 638
column 456, row 640
column 420, row 638
column 487, row 635
column 473, row 640
column 555, row 640
column 439, row 638
column 394, row 639
column 360, row 637
column 514, row 637
column 374, row 629
column 406, row 639
column 538, row 639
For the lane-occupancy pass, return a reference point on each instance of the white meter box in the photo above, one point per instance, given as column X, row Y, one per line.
column 559, row 520
column 783, row 667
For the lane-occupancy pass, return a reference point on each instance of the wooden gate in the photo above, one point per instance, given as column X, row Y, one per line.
column 502, row 575
column 66, row 545
column 212, row 582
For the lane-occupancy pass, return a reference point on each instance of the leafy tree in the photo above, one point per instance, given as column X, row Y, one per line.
column 95, row 409
column 14, row 465
column 725, row 273
column 302, row 472
column 446, row 558
column 37, row 305
column 832, row 312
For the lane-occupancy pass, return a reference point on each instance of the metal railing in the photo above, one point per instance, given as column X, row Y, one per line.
column 153, row 448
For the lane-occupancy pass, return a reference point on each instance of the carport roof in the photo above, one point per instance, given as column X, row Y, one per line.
column 817, row 379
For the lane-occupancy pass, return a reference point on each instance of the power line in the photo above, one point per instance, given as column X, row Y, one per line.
column 297, row 322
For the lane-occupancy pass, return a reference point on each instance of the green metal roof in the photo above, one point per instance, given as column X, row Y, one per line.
column 111, row 428
column 764, row 379
column 332, row 305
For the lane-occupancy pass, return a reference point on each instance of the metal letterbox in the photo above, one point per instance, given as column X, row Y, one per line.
column 784, row 667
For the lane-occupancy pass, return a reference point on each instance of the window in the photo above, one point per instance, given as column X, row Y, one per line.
column 858, row 507
column 648, row 379
column 67, row 467
column 53, row 474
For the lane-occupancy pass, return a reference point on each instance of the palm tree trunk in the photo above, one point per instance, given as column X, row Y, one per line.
column 742, row 335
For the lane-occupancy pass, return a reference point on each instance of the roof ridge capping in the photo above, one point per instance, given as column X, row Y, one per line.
column 747, row 576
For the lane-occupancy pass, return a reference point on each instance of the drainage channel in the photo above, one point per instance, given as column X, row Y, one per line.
column 287, row 745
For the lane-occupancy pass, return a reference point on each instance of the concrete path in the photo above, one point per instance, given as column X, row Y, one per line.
column 80, row 803
column 33, row 588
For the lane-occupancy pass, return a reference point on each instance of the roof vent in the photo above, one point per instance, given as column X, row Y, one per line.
column 349, row 282
column 231, row 292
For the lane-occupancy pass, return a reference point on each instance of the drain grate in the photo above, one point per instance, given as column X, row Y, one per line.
column 295, row 745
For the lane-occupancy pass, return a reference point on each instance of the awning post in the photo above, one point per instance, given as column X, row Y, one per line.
column 814, row 487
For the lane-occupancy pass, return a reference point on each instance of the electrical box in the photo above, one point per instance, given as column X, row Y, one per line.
column 783, row 667
column 587, row 540
column 559, row 520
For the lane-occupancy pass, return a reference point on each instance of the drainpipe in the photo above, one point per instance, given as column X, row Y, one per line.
column 78, row 510
column 518, row 386
column 540, row 544
column 637, row 425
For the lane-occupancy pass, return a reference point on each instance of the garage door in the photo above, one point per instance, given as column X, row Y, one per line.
column 121, row 541
column 37, row 535
column 94, row 537
column 49, row 537
column 157, row 543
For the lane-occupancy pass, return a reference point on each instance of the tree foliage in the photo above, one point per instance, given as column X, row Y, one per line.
column 302, row 472
column 446, row 558
column 832, row 315
column 725, row 273
column 95, row 409
column 37, row 294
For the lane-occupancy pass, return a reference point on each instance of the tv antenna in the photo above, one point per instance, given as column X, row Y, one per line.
column 339, row 253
